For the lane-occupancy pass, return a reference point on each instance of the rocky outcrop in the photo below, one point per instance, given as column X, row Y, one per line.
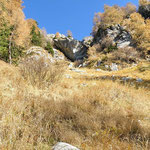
column 77, row 50
column 64, row 146
column 144, row 10
column 117, row 33
column 38, row 52
column 72, row 49
column 88, row 40
column 58, row 55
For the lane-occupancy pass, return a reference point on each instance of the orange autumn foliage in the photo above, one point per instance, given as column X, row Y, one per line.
column 11, row 12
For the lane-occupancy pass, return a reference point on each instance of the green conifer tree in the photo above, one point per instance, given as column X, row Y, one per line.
column 4, row 42
column 49, row 48
column 7, row 44
column 36, row 38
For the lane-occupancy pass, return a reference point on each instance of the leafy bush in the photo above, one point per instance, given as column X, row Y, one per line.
column 127, row 54
column 16, row 51
column 49, row 48
column 4, row 42
column 105, row 46
column 36, row 38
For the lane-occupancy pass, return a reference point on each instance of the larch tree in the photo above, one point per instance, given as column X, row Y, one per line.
column 13, row 16
column 112, row 15
column 140, row 31
column 129, row 9
column 96, row 23
column 69, row 33
column 144, row 2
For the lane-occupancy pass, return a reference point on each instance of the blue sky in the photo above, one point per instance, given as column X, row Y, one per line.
column 62, row 15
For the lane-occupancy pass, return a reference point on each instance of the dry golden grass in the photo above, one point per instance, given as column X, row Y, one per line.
column 40, row 73
column 90, row 114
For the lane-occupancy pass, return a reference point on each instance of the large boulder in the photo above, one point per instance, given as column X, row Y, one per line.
column 38, row 52
column 71, row 48
column 117, row 33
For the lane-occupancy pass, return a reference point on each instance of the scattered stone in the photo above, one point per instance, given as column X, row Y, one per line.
column 113, row 77
column 114, row 67
column 99, row 63
column 103, row 77
column 134, row 65
column 72, row 69
column 64, row 146
column 139, row 80
column 70, row 65
column 84, row 84
column 83, row 73
column 68, row 76
column 78, row 71
column 106, row 66
column 98, row 70
column 126, row 78
column 80, row 65
column 84, row 64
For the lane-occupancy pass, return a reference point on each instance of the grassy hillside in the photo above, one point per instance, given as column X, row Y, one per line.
column 88, row 112
column 42, row 103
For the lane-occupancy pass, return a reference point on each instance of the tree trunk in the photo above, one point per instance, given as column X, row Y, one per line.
column 9, row 49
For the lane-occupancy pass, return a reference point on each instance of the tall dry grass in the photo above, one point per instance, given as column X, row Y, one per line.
column 40, row 73
column 100, row 116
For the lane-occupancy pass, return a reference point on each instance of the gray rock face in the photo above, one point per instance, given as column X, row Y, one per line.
column 117, row 33
column 58, row 55
column 50, row 37
column 88, row 40
column 144, row 11
column 64, row 146
column 38, row 52
column 72, row 49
